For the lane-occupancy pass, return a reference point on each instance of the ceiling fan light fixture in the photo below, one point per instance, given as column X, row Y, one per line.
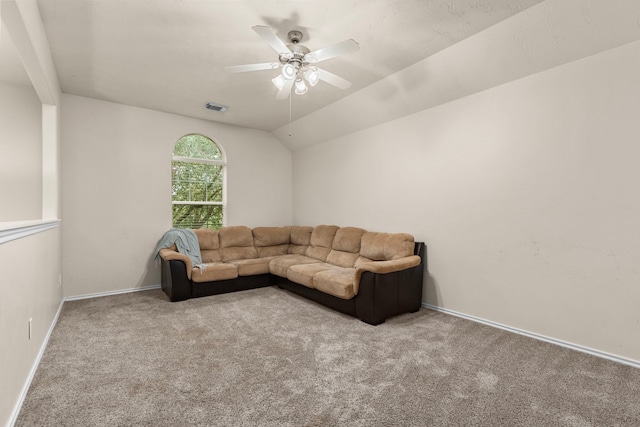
column 301, row 88
column 279, row 82
column 297, row 63
column 312, row 76
column 289, row 71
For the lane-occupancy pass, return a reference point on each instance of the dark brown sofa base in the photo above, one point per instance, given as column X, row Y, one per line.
column 380, row 296
column 179, row 288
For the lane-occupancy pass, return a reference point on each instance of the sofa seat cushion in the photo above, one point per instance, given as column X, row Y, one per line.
column 303, row 273
column 279, row 265
column 214, row 271
column 251, row 267
column 339, row 282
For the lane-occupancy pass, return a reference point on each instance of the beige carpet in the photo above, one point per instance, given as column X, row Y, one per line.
column 266, row 357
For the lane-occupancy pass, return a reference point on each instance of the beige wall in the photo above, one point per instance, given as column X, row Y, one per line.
column 29, row 282
column 21, row 148
column 526, row 195
column 116, row 181
column 29, row 188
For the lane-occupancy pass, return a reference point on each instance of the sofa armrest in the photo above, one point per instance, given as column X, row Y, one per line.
column 390, row 266
column 171, row 255
column 174, row 280
column 394, row 288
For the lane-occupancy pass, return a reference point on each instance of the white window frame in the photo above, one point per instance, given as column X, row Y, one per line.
column 222, row 163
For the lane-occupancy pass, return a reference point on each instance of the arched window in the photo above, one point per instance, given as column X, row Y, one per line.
column 198, row 183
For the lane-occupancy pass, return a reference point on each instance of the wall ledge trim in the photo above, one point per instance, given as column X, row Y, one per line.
column 539, row 337
column 18, row 229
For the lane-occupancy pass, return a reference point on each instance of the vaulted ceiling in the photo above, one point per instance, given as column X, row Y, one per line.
column 169, row 55
column 11, row 69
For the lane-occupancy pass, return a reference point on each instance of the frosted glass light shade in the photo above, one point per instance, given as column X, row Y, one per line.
column 312, row 76
column 279, row 82
column 289, row 71
column 301, row 88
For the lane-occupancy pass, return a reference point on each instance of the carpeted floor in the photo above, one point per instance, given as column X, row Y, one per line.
column 266, row 357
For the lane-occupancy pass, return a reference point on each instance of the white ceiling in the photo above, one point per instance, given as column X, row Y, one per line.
column 11, row 68
column 169, row 55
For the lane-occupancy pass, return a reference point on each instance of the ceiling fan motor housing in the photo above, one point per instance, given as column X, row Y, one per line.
column 295, row 36
column 298, row 51
column 297, row 54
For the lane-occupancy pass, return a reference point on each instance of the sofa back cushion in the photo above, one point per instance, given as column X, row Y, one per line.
column 345, row 248
column 209, row 244
column 386, row 246
column 300, row 239
column 271, row 241
column 320, row 242
column 236, row 242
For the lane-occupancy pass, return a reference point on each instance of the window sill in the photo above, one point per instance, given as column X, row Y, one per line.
column 14, row 230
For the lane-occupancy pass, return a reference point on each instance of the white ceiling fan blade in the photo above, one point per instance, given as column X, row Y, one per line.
column 332, row 79
column 329, row 52
column 286, row 90
column 251, row 67
column 271, row 38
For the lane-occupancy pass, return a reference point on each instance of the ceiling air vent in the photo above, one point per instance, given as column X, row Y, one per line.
column 216, row 107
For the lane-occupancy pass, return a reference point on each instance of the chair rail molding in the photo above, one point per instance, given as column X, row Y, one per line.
column 18, row 229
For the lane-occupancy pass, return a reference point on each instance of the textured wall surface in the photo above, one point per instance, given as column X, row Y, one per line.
column 117, row 188
column 29, row 282
column 21, row 159
column 525, row 195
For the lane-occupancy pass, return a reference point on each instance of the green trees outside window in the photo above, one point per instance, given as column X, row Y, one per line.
column 197, row 180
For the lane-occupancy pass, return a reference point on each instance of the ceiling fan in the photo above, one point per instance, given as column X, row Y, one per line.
column 297, row 63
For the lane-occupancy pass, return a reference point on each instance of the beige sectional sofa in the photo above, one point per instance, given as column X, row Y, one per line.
column 369, row 275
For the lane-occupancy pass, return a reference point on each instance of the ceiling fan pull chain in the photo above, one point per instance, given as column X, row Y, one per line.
column 290, row 114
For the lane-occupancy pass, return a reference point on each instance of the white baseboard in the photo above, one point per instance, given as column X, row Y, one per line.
column 104, row 294
column 555, row 341
column 34, row 368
